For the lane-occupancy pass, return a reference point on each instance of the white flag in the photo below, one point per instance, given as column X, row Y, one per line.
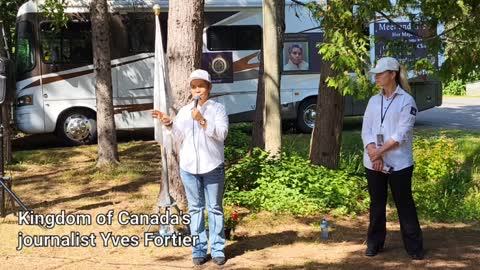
column 161, row 89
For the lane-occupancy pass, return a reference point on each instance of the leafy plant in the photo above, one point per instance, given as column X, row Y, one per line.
column 455, row 88
column 293, row 185
column 423, row 67
column 54, row 10
column 440, row 188
column 236, row 144
column 231, row 218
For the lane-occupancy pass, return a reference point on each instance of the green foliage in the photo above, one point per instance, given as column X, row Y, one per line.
column 346, row 44
column 455, row 88
column 54, row 11
column 8, row 13
column 293, row 185
column 446, row 180
column 236, row 144
column 442, row 189
column 424, row 67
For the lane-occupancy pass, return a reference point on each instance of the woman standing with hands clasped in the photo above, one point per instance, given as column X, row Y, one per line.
column 387, row 135
column 201, row 128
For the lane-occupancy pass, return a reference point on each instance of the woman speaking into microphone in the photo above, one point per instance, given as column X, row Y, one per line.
column 201, row 128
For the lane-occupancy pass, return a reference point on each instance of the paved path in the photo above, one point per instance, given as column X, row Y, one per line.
column 462, row 113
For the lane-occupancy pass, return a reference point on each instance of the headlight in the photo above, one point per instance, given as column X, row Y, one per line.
column 25, row 100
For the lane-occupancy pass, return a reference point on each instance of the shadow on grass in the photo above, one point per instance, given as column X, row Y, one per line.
column 95, row 205
column 260, row 242
column 170, row 258
column 446, row 247
column 146, row 151
column 27, row 180
column 49, row 140
column 130, row 187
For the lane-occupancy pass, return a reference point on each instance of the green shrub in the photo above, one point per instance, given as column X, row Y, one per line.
column 292, row 184
column 444, row 184
column 441, row 187
column 352, row 162
column 236, row 144
column 455, row 88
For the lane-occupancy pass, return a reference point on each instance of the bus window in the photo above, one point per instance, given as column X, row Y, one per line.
column 234, row 37
column 70, row 45
column 141, row 32
column 25, row 48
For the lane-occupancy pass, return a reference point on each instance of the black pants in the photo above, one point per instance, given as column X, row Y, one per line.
column 401, row 187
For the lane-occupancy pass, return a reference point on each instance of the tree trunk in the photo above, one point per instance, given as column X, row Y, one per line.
column 107, row 136
column 184, row 51
column 273, row 17
column 7, row 104
column 7, row 131
column 258, row 138
column 327, row 133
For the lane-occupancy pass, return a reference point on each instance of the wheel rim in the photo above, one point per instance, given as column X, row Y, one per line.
column 309, row 115
column 77, row 127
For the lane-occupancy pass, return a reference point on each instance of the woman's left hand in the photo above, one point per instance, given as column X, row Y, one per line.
column 196, row 115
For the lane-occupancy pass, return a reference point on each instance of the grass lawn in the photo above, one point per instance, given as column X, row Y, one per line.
column 58, row 179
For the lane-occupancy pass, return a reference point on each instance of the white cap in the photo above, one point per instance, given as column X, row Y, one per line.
column 384, row 64
column 199, row 74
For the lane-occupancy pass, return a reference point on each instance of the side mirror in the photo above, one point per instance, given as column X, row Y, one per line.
column 4, row 77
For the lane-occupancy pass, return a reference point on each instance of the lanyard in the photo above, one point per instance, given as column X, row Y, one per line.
column 382, row 115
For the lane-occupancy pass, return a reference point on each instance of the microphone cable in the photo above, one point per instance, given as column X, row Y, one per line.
column 197, row 164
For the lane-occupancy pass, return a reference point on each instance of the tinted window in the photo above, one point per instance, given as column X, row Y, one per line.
column 70, row 45
column 25, row 49
column 141, row 32
column 234, row 37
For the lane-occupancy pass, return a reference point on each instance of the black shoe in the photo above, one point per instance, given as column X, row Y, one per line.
column 199, row 260
column 219, row 260
column 417, row 256
column 372, row 251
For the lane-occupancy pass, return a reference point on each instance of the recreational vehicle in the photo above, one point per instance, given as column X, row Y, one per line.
column 55, row 79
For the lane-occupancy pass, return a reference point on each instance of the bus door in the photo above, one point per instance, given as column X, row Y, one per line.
column 29, row 115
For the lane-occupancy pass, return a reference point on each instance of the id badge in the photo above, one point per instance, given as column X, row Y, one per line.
column 379, row 140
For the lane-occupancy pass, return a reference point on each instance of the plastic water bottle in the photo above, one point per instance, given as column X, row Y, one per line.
column 166, row 229
column 163, row 230
column 324, row 228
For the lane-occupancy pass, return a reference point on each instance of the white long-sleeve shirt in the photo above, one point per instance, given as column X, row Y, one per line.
column 201, row 150
column 399, row 113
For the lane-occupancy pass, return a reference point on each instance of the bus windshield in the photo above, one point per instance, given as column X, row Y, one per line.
column 25, row 47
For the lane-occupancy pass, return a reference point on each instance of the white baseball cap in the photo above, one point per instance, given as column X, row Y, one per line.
column 199, row 74
column 384, row 64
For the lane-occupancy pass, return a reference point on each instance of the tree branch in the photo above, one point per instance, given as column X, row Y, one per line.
column 298, row 2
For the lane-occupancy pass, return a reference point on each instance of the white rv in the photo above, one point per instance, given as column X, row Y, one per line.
column 55, row 81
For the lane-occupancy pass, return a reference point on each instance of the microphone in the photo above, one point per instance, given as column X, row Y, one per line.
column 195, row 100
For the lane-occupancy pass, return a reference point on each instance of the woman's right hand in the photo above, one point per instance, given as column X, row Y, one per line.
column 377, row 164
column 162, row 116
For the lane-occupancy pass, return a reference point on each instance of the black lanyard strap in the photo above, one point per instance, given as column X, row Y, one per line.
column 382, row 115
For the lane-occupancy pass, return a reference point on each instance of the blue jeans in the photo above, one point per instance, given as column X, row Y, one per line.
column 198, row 187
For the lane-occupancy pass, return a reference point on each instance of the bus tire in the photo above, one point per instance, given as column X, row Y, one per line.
column 306, row 115
column 77, row 127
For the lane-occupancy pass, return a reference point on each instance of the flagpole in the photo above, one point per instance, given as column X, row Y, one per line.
column 161, row 87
